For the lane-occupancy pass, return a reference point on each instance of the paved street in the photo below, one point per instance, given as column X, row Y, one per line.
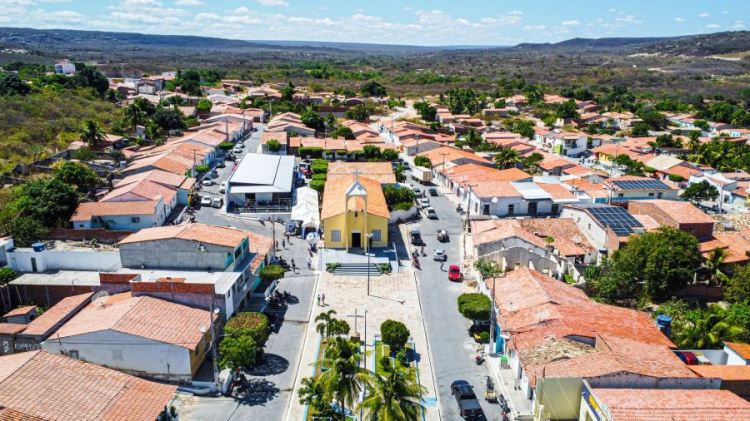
column 452, row 349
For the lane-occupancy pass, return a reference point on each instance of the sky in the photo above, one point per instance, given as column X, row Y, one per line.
column 435, row 22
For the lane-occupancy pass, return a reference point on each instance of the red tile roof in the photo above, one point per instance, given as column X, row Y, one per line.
column 222, row 236
column 724, row 372
column 54, row 387
column 88, row 210
column 564, row 231
column 43, row 325
column 20, row 311
column 672, row 404
column 334, row 197
column 142, row 316
column 742, row 349
column 11, row 328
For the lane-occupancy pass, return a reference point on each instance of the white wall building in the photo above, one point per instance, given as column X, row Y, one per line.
column 65, row 68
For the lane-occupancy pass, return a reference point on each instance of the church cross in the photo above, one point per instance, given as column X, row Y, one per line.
column 356, row 173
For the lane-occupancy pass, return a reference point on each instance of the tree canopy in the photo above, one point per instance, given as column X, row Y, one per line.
column 698, row 192
column 373, row 88
column 474, row 306
column 76, row 174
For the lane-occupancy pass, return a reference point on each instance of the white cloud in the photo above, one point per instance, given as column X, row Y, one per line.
column 738, row 24
column 534, row 28
column 515, row 13
column 679, row 19
column 612, row 10
column 273, row 2
column 713, row 26
column 704, row 15
column 571, row 23
column 629, row 19
column 189, row 3
column 725, row 12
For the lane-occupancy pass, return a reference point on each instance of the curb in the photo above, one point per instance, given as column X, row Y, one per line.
column 429, row 348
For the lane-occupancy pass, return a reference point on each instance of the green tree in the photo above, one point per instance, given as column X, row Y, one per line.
column 169, row 119
column 7, row 274
column 344, row 379
column 639, row 130
column 473, row 138
column 474, row 306
column 373, row 88
column 313, row 120
column 134, row 116
column 693, row 142
column 92, row 133
column 237, row 352
column 249, row 323
column 714, row 266
column 203, row 105
column 325, row 323
column 273, row 145
column 271, row 273
column 422, row 161
column 698, row 192
column 76, row 174
column 707, row 329
column 389, row 155
column 394, row 334
column 358, row 112
column 568, row 109
column 51, row 202
column 532, row 161
column 116, row 155
column 343, row 132
column 507, row 158
column 738, row 286
column 84, row 154
column 27, row 231
column 371, row 152
column 311, row 393
column 287, row 92
column 89, row 77
column 11, row 84
column 393, row 396
column 663, row 261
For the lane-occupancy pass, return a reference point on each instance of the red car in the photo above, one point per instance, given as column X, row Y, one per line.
column 454, row 273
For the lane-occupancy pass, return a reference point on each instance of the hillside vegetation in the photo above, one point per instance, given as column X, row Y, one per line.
column 47, row 119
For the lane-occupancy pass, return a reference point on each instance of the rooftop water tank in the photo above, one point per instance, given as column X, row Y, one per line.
column 664, row 323
column 38, row 246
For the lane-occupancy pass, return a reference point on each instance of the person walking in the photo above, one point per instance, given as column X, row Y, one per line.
column 309, row 262
column 276, row 245
column 288, row 240
column 283, row 243
column 323, row 299
column 294, row 267
column 318, row 300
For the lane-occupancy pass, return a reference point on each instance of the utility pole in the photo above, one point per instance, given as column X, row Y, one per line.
column 369, row 245
column 493, row 316
column 444, row 154
column 214, row 345
column 468, row 215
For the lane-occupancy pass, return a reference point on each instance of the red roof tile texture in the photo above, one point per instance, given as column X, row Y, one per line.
column 47, row 386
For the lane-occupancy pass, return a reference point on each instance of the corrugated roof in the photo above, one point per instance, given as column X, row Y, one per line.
column 54, row 387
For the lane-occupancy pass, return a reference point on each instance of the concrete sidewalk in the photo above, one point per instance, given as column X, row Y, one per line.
column 391, row 296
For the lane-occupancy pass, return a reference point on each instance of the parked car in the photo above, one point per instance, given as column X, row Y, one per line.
column 216, row 202
column 230, row 157
column 221, row 164
column 213, row 174
column 418, row 192
column 237, row 150
column 416, row 237
column 423, row 202
column 206, row 201
column 433, row 191
column 440, row 255
column 468, row 404
column 430, row 211
column 454, row 273
column 208, row 182
column 223, row 187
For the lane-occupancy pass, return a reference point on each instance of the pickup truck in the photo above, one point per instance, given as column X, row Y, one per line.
column 468, row 404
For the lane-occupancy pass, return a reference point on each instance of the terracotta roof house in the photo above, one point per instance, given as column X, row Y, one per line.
column 666, row 405
column 281, row 137
column 553, row 333
column 379, row 171
column 68, row 389
column 734, row 378
column 735, row 243
column 138, row 334
column 127, row 216
column 681, row 215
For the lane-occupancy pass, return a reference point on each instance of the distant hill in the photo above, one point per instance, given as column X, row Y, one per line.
column 579, row 45
column 703, row 45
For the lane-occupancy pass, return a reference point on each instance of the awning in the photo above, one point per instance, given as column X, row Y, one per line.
column 307, row 209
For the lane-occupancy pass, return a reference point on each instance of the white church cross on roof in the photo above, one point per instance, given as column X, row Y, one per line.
column 356, row 189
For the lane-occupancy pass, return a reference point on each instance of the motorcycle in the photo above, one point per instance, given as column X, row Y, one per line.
column 479, row 358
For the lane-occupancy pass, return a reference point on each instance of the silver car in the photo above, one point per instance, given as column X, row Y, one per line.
column 439, row 255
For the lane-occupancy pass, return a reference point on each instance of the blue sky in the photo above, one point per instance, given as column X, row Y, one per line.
column 436, row 22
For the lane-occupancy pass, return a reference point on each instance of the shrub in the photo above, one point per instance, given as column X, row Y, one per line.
column 394, row 334
column 202, row 168
column 676, row 178
column 319, row 168
column 309, row 151
column 474, row 306
column 271, row 273
column 330, row 267
column 484, row 337
column 402, row 357
column 317, row 185
column 385, row 267
column 405, row 206
column 253, row 324
column 225, row 146
column 7, row 274
column 204, row 104
column 649, row 170
column 323, row 177
column 422, row 161
column 273, row 145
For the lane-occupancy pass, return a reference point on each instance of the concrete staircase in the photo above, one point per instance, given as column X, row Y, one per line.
column 356, row 269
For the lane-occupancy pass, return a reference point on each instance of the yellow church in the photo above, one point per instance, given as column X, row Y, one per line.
column 354, row 210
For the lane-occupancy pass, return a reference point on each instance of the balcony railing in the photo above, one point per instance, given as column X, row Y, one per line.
column 272, row 206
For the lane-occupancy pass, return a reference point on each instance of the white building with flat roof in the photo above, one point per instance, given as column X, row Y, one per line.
column 261, row 184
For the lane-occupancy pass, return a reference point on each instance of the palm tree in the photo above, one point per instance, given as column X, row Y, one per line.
column 708, row 329
column 713, row 266
column 693, row 143
column 326, row 322
column 92, row 133
column 116, row 155
column 506, row 158
column 344, row 379
column 134, row 116
column 393, row 396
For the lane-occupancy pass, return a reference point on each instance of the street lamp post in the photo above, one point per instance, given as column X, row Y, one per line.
column 468, row 215
column 365, row 340
column 213, row 345
column 369, row 245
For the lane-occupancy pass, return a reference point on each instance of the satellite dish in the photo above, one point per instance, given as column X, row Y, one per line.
column 577, row 239
column 494, row 200
column 100, row 299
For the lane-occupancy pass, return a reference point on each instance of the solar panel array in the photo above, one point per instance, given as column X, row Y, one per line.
column 617, row 218
column 640, row 184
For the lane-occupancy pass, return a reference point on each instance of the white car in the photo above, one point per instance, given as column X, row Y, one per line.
column 223, row 187
column 208, row 182
column 216, row 203
column 430, row 212
column 237, row 150
column 206, row 201
column 440, row 255
column 424, row 203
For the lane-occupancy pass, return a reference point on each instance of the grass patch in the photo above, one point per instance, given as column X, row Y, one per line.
column 382, row 349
